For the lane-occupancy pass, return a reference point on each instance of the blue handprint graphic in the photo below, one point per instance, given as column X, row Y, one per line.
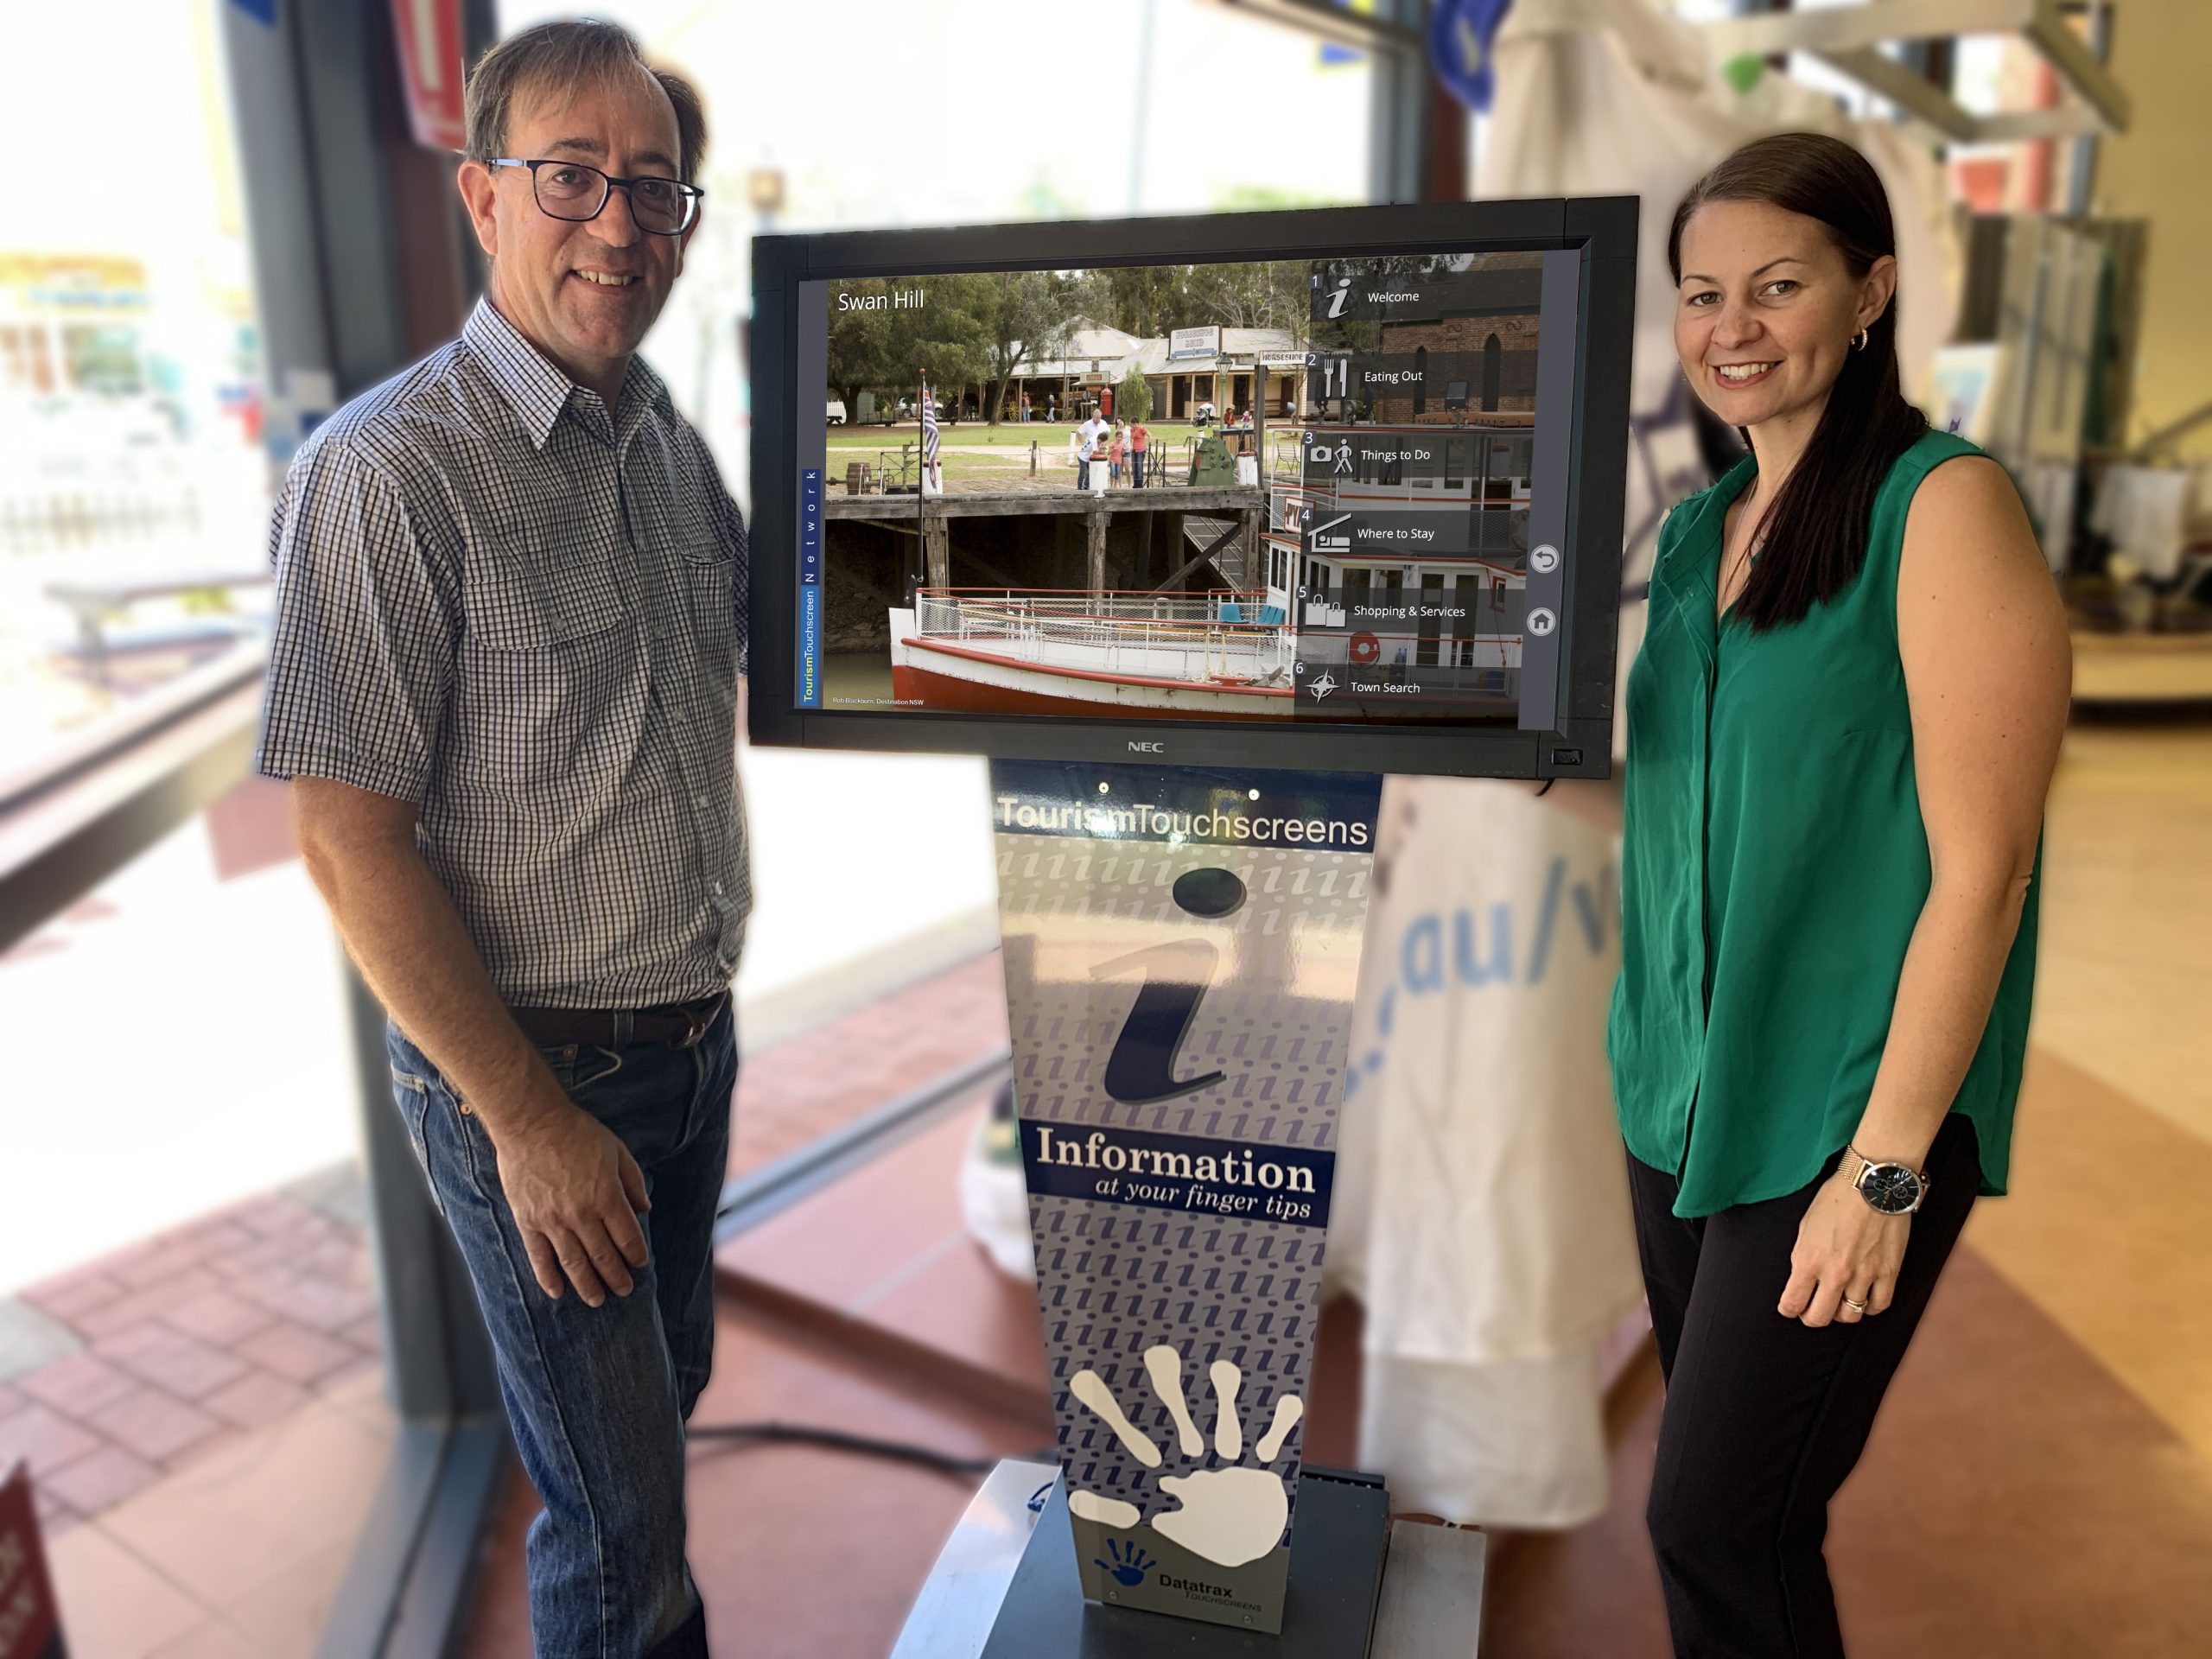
column 1129, row 1566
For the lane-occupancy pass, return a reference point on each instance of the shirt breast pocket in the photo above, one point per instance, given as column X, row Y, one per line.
column 552, row 680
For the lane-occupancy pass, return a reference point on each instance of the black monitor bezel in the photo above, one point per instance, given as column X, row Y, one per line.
column 1604, row 227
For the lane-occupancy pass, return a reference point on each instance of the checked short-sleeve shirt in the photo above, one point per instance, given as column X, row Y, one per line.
column 498, row 600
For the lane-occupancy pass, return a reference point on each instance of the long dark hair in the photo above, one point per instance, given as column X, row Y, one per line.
column 1815, row 530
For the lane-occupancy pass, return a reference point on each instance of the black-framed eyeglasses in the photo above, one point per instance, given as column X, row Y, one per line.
column 571, row 190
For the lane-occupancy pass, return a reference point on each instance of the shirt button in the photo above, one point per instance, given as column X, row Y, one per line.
column 718, row 889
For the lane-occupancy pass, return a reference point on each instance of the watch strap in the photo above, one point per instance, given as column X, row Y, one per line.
column 1867, row 1163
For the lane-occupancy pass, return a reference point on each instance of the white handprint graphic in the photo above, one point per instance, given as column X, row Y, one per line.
column 1229, row 1517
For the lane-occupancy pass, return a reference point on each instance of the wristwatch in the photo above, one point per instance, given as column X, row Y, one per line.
column 1889, row 1189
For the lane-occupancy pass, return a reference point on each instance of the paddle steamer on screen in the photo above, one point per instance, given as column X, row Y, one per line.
column 1454, row 602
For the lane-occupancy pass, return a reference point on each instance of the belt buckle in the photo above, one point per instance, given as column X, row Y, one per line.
column 696, row 1028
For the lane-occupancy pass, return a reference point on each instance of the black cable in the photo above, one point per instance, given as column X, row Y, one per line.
column 1546, row 789
column 837, row 1439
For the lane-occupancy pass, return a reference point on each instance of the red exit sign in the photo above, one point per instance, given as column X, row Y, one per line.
column 31, row 1624
column 430, row 67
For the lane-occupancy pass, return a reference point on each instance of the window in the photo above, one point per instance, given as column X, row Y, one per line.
column 103, row 360
column 26, row 361
column 129, row 378
column 1432, row 592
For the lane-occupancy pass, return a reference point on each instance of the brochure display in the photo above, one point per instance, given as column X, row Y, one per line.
column 1182, row 950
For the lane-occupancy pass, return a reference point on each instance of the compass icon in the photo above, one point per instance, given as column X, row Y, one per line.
column 1322, row 687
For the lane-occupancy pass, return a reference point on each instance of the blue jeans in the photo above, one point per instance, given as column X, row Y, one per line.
column 598, row 1397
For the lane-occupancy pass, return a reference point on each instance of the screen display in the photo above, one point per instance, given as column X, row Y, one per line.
column 1323, row 490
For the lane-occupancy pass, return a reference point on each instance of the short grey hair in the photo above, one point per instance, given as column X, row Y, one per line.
column 572, row 53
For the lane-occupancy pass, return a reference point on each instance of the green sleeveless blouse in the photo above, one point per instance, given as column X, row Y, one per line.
column 1773, row 869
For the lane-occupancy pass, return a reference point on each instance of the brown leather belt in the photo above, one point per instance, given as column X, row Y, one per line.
column 680, row 1024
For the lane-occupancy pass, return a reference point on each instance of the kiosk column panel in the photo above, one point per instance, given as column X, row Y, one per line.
column 1182, row 950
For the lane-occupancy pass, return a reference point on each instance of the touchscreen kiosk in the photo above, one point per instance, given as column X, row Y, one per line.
column 1195, row 528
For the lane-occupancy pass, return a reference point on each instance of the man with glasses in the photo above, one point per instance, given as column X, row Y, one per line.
column 511, row 622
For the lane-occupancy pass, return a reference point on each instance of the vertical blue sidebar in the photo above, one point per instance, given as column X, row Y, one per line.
column 809, row 587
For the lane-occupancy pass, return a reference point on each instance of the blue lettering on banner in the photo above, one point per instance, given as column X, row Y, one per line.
column 809, row 587
column 1472, row 946
column 1185, row 1172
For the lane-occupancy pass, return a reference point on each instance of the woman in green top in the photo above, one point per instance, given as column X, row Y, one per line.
column 1841, row 728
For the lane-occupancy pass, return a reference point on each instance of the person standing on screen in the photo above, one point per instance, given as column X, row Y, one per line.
column 510, row 629
column 1086, row 447
column 1841, row 729
column 1140, row 441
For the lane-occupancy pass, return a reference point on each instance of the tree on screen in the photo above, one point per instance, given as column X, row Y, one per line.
column 890, row 350
column 1035, row 312
column 860, row 356
column 1254, row 295
column 1133, row 398
column 1139, row 300
column 948, row 341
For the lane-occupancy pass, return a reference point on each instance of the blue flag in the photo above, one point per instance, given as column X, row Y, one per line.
column 1460, row 37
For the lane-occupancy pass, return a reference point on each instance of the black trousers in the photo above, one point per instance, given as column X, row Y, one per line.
column 1764, row 1416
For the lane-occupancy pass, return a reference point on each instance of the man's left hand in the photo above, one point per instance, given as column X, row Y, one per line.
column 1847, row 1252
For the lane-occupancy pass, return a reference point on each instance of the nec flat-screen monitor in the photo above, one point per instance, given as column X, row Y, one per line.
column 1335, row 490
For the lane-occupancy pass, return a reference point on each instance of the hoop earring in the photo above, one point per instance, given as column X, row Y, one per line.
column 1858, row 341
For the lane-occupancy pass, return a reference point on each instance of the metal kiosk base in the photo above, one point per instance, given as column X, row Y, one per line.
column 1005, row 1584
column 1335, row 1569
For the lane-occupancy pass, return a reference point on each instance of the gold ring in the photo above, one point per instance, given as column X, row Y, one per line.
column 1856, row 1307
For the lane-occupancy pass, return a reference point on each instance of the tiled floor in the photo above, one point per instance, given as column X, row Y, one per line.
column 240, row 1553
column 837, row 1072
column 800, row 1554
column 881, row 1264
column 182, row 1345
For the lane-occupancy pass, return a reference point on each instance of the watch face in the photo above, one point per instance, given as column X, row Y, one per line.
column 1890, row 1188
